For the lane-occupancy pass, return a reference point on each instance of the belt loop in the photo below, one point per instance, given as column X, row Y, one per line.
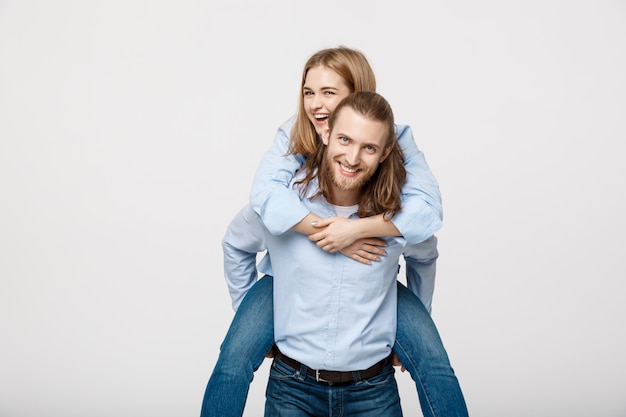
column 356, row 375
column 303, row 372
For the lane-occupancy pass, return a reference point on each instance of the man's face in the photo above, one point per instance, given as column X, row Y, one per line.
column 322, row 91
column 356, row 146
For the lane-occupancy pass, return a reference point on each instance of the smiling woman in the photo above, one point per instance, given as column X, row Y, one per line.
column 322, row 91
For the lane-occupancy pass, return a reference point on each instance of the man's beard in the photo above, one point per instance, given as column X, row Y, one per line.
column 340, row 181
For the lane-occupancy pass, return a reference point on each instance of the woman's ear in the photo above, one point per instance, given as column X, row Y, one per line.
column 325, row 136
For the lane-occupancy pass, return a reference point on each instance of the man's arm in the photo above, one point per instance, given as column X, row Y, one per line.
column 244, row 238
column 421, row 267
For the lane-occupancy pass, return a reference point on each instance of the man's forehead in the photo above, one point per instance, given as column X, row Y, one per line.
column 354, row 125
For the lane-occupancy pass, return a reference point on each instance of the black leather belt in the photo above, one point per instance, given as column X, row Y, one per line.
column 335, row 377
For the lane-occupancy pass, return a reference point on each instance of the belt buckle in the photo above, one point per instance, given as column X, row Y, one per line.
column 317, row 377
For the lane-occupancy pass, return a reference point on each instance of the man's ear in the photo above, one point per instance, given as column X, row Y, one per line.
column 325, row 136
column 386, row 153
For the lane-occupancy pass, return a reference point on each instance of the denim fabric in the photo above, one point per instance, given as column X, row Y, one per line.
column 293, row 393
column 422, row 353
column 250, row 337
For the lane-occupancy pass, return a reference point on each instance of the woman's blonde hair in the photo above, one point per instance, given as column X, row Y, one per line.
column 353, row 67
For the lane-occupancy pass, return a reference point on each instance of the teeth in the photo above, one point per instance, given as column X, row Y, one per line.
column 348, row 169
column 321, row 116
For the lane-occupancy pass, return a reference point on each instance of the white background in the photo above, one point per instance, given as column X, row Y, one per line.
column 130, row 132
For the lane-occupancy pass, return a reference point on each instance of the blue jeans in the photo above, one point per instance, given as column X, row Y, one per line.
column 293, row 393
column 251, row 336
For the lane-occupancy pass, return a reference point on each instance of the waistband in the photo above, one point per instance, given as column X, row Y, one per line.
column 335, row 377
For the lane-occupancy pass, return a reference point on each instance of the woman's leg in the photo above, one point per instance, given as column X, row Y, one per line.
column 249, row 339
column 421, row 351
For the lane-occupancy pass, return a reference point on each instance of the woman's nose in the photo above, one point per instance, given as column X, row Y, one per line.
column 316, row 102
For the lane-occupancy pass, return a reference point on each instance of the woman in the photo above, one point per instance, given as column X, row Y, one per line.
column 329, row 76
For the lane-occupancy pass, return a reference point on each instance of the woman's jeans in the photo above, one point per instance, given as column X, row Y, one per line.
column 251, row 336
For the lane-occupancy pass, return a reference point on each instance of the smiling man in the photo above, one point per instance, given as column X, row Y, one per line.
column 334, row 318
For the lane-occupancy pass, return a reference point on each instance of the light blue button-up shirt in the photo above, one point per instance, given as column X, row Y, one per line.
column 330, row 312
column 280, row 208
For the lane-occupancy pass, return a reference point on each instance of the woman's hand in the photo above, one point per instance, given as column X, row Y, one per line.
column 365, row 250
column 336, row 233
column 341, row 234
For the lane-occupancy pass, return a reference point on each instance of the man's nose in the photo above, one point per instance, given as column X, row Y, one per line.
column 353, row 155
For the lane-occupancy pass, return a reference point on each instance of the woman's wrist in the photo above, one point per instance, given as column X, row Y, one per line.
column 376, row 226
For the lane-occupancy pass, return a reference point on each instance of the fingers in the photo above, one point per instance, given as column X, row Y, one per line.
column 368, row 255
column 270, row 354
column 395, row 361
column 322, row 223
column 360, row 259
column 374, row 250
column 316, row 237
column 326, row 247
column 374, row 241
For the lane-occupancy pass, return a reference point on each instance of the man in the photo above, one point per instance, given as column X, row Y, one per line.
column 334, row 318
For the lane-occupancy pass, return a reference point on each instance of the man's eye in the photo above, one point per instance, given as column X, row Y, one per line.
column 343, row 139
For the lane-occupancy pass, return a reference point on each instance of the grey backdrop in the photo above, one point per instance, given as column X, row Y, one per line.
column 130, row 132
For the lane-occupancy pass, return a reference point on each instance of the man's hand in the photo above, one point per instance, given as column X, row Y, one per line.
column 271, row 352
column 395, row 361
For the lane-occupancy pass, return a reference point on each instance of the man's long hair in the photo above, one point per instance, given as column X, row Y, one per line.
column 381, row 194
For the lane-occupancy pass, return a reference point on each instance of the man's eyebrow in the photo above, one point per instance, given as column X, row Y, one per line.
column 341, row 135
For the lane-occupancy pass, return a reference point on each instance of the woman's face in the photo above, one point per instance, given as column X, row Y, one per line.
column 322, row 91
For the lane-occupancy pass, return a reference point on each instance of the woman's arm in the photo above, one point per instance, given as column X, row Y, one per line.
column 421, row 215
column 272, row 198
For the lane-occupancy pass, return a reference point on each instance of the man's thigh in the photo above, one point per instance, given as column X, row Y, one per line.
column 373, row 397
column 291, row 394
